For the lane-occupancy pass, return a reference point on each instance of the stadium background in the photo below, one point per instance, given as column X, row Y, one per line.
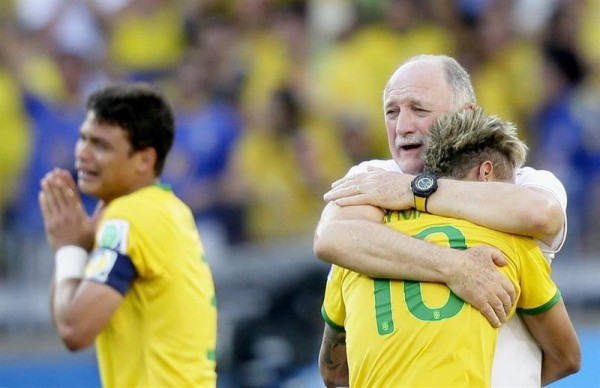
column 275, row 99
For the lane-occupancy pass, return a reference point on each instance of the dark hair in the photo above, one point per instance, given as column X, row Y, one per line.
column 141, row 111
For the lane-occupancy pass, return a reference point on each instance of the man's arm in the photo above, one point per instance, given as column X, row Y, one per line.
column 354, row 237
column 80, row 309
column 554, row 332
column 333, row 363
column 502, row 206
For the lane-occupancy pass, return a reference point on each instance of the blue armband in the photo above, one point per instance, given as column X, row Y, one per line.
column 112, row 268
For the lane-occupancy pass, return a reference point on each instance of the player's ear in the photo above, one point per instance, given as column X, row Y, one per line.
column 146, row 159
column 486, row 171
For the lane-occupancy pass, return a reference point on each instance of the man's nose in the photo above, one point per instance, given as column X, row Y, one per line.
column 404, row 124
column 82, row 150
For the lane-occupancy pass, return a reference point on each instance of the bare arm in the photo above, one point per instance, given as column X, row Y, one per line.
column 333, row 363
column 502, row 206
column 80, row 309
column 554, row 332
column 355, row 238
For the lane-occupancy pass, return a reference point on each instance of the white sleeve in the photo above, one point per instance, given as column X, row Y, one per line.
column 388, row 165
column 547, row 181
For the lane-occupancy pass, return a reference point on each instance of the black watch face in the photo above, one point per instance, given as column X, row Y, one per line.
column 424, row 183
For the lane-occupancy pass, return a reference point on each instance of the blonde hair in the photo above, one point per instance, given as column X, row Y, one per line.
column 464, row 139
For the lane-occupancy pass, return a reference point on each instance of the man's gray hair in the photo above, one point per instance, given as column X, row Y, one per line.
column 457, row 77
column 464, row 139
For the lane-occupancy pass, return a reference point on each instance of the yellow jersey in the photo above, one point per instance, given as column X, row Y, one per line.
column 407, row 333
column 164, row 332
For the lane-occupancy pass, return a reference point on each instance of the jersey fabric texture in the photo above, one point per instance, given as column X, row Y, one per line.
column 404, row 333
column 164, row 332
column 518, row 359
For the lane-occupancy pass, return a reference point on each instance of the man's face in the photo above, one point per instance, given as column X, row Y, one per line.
column 106, row 165
column 415, row 96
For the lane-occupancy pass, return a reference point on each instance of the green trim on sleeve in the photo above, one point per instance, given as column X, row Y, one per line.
column 330, row 322
column 543, row 308
column 164, row 186
column 211, row 355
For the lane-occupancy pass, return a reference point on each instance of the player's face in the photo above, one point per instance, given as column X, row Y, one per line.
column 106, row 165
column 415, row 96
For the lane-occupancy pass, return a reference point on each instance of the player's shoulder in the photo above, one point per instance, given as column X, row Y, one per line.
column 140, row 203
column 544, row 180
column 531, row 176
column 525, row 249
column 387, row 164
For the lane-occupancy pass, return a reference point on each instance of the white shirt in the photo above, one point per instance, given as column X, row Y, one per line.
column 518, row 358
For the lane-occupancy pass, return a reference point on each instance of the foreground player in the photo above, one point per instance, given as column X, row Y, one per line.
column 405, row 333
column 141, row 289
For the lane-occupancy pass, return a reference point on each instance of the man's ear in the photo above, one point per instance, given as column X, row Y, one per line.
column 470, row 106
column 146, row 160
column 486, row 172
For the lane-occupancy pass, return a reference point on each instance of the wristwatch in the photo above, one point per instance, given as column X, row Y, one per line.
column 423, row 185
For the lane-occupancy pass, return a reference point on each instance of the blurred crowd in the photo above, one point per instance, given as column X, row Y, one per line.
column 276, row 99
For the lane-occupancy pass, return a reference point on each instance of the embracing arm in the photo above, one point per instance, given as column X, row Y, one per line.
column 354, row 237
column 502, row 206
column 333, row 363
column 554, row 332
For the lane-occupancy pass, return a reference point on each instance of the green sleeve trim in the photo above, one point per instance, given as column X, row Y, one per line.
column 211, row 355
column 164, row 186
column 330, row 322
column 543, row 308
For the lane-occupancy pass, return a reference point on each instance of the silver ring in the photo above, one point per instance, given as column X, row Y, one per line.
column 357, row 189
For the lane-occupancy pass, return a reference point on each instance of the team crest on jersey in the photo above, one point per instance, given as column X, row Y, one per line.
column 101, row 263
column 113, row 234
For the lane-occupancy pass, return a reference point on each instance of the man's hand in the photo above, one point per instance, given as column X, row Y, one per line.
column 65, row 219
column 376, row 187
column 478, row 282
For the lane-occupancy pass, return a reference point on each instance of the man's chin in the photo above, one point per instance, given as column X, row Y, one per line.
column 86, row 189
column 411, row 167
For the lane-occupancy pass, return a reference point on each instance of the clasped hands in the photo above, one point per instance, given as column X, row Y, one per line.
column 65, row 219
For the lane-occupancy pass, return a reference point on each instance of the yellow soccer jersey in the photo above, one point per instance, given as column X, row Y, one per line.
column 406, row 333
column 164, row 332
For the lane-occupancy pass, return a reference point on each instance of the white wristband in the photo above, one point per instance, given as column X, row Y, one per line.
column 70, row 262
